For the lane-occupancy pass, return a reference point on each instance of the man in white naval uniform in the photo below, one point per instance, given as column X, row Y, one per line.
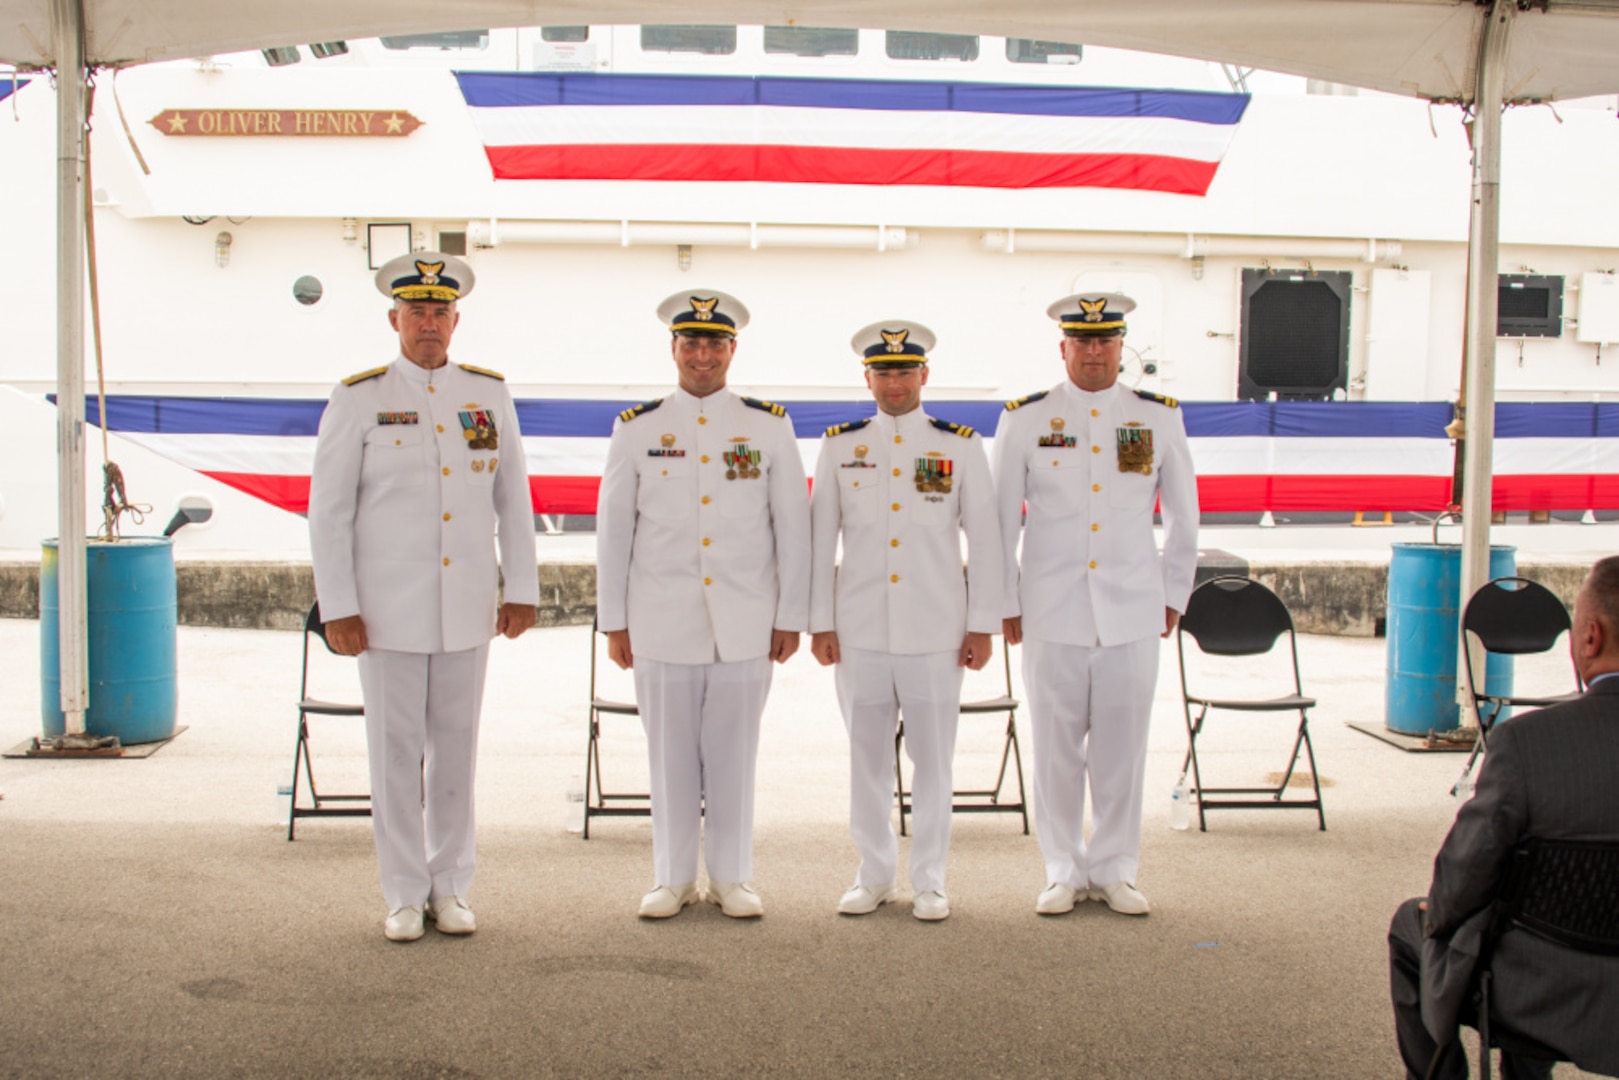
column 702, row 579
column 418, row 468
column 1089, row 459
column 898, row 617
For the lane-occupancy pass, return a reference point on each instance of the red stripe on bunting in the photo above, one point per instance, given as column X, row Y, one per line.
column 287, row 492
column 1216, row 494
column 845, row 165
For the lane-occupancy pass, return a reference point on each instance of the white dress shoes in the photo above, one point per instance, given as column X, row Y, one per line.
column 736, row 899
column 864, row 899
column 930, row 906
column 404, row 924
column 1057, row 899
column 452, row 916
column 667, row 901
column 1122, row 897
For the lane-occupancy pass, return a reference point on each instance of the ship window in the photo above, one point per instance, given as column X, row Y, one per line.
column 914, row 45
column 307, row 290
column 811, row 41
column 1029, row 51
column 449, row 39
column 708, row 40
column 565, row 33
column 452, row 242
column 282, row 55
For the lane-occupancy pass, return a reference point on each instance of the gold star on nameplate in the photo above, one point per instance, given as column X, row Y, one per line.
column 177, row 123
column 394, row 124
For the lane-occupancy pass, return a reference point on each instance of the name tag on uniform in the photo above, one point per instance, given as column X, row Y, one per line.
column 386, row 418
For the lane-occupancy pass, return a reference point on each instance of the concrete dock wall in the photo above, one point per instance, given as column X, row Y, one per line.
column 1344, row 598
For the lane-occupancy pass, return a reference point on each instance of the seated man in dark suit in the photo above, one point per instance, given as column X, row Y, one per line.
column 1554, row 774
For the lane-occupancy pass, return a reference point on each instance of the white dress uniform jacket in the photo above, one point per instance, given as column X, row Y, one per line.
column 696, row 566
column 900, row 588
column 404, row 514
column 1090, row 561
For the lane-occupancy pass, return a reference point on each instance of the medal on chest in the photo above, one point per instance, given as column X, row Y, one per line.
column 742, row 463
column 934, row 472
column 478, row 427
column 1135, row 448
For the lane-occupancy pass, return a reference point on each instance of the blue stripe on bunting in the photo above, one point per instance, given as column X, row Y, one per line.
column 7, row 86
column 1556, row 420
column 515, row 89
column 593, row 418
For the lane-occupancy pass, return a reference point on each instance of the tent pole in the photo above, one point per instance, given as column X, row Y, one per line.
column 1483, row 266
column 67, row 25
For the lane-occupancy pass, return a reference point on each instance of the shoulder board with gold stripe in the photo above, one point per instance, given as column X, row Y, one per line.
column 1031, row 399
column 959, row 429
column 634, row 411
column 482, row 371
column 767, row 406
column 852, row 425
column 364, row 375
column 1148, row 395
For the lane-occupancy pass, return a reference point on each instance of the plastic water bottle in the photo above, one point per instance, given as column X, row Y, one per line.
column 283, row 801
column 573, row 810
column 1180, row 806
column 1464, row 787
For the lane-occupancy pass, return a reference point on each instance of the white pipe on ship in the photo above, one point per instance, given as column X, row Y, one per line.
column 707, row 234
column 1186, row 245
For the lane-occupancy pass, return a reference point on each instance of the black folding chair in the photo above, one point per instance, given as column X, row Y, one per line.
column 1239, row 617
column 1564, row 891
column 978, row 800
column 1511, row 616
column 599, row 801
column 320, row 803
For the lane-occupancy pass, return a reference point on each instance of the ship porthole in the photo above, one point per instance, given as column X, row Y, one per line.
column 307, row 290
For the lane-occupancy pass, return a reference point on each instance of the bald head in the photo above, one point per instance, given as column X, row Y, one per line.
column 1595, row 637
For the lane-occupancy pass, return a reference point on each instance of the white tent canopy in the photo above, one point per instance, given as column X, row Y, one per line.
column 1559, row 49
column 1488, row 52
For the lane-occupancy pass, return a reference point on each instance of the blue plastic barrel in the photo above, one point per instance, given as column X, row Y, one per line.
column 130, row 594
column 1424, row 627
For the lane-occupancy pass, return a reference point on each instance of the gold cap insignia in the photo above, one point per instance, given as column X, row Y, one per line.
column 1092, row 309
column 703, row 310
column 896, row 340
column 429, row 271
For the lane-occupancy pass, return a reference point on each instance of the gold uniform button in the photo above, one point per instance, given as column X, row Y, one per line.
column 899, row 438
column 1054, row 464
column 446, row 470
column 893, row 577
column 666, row 472
column 702, row 420
column 1093, row 564
column 896, row 472
column 704, row 459
column 441, row 429
column 896, row 506
column 1095, row 527
column 399, row 442
column 432, row 389
column 1096, row 487
column 705, row 541
column 893, row 543
column 1095, row 413
column 708, row 581
column 705, row 500
column 446, row 515
column 1096, row 449
column 446, row 560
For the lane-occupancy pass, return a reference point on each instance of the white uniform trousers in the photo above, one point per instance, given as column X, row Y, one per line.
column 874, row 689
column 421, row 732
column 702, row 730
column 1090, row 708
